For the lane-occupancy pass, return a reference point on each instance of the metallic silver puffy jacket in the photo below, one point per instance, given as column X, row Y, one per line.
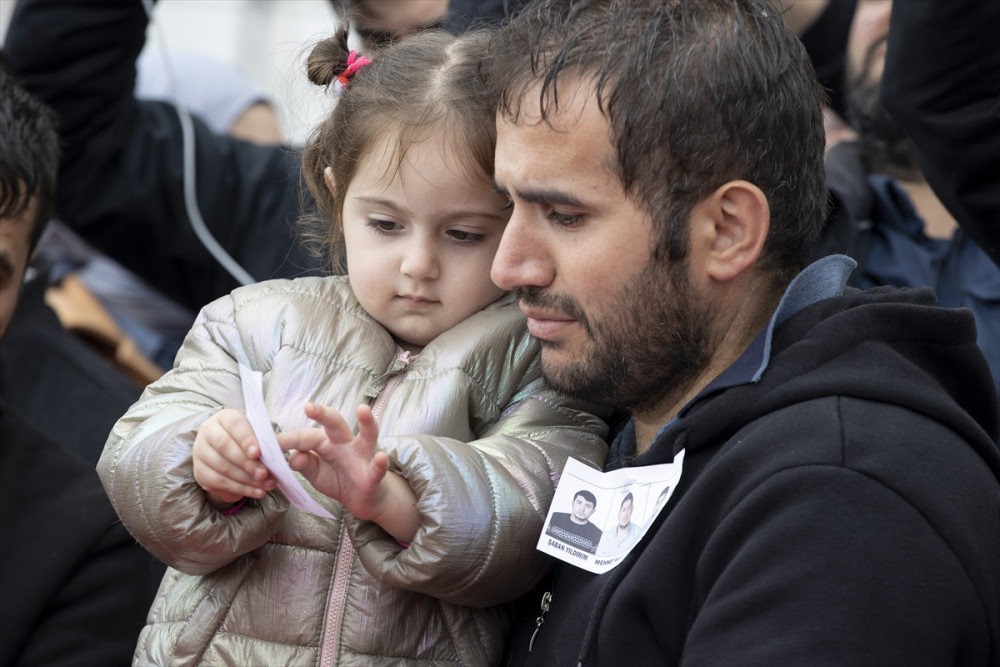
column 471, row 425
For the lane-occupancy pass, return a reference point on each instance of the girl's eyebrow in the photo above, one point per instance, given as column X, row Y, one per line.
column 449, row 215
column 379, row 201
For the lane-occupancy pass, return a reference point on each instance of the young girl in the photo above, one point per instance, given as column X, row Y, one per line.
column 438, row 528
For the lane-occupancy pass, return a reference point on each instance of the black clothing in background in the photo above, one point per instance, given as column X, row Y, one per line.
column 74, row 582
column 942, row 86
column 826, row 44
column 121, row 176
column 465, row 14
column 61, row 386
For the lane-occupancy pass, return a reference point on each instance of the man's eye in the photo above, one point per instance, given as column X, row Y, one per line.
column 565, row 219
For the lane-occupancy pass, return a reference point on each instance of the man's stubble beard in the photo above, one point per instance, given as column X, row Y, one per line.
column 651, row 348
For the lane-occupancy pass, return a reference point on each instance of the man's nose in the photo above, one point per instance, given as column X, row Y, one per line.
column 523, row 257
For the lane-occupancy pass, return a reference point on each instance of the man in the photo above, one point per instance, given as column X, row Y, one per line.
column 574, row 528
column 839, row 498
column 74, row 582
column 618, row 538
column 886, row 216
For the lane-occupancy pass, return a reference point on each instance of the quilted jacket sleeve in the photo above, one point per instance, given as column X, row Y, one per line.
column 483, row 503
column 146, row 466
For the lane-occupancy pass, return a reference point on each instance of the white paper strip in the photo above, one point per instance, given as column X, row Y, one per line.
column 270, row 451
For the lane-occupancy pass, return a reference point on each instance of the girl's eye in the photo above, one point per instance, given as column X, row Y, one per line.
column 383, row 226
column 465, row 237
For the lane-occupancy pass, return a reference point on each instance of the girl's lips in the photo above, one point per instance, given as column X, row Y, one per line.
column 416, row 300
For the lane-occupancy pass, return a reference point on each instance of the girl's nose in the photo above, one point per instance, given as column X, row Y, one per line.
column 420, row 260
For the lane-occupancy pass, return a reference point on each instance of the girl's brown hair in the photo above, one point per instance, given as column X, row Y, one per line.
column 426, row 87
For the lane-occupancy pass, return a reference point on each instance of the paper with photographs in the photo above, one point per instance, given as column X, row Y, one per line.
column 596, row 518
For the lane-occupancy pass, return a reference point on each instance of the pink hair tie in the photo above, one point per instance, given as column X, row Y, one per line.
column 354, row 63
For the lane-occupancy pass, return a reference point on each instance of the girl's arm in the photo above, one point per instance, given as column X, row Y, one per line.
column 482, row 504
column 146, row 466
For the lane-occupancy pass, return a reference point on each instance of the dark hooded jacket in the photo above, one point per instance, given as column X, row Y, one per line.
column 75, row 585
column 844, row 510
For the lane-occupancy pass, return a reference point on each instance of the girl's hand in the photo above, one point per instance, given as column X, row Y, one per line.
column 350, row 470
column 226, row 460
column 336, row 463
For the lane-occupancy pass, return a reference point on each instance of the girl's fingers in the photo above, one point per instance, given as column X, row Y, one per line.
column 332, row 422
column 367, row 428
column 237, row 428
column 304, row 439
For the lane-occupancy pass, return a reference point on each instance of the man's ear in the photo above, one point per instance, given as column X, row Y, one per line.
column 731, row 225
column 328, row 177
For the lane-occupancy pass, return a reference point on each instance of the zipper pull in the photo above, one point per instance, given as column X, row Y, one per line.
column 546, row 603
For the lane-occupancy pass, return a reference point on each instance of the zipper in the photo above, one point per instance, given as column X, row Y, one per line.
column 330, row 643
column 386, row 383
column 546, row 603
column 334, row 618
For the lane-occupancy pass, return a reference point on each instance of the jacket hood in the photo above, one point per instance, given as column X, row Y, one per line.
column 884, row 344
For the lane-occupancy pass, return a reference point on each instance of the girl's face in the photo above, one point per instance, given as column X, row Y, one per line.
column 420, row 240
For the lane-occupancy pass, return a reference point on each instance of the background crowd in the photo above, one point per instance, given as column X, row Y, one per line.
column 132, row 197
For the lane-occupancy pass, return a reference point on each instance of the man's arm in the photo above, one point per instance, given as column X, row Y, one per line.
column 122, row 173
column 942, row 85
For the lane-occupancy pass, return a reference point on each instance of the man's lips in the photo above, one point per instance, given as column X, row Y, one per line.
column 546, row 325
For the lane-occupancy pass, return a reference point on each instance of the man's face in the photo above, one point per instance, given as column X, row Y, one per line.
column 625, row 513
column 886, row 146
column 582, row 509
column 616, row 326
column 14, row 234
column 379, row 22
column 867, row 41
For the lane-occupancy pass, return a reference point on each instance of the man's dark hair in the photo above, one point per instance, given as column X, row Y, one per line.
column 697, row 93
column 29, row 153
column 628, row 496
column 588, row 496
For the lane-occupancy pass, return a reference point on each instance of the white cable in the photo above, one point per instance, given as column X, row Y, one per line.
column 190, row 193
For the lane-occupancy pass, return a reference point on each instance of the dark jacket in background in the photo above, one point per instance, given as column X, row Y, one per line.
column 121, row 176
column 74, row 582
column 942, row 86
column 873, row 221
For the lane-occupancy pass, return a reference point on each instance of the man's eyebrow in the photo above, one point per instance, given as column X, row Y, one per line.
column 542, row 196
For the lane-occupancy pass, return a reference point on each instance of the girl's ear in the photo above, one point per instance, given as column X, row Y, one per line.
column 328, row 177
